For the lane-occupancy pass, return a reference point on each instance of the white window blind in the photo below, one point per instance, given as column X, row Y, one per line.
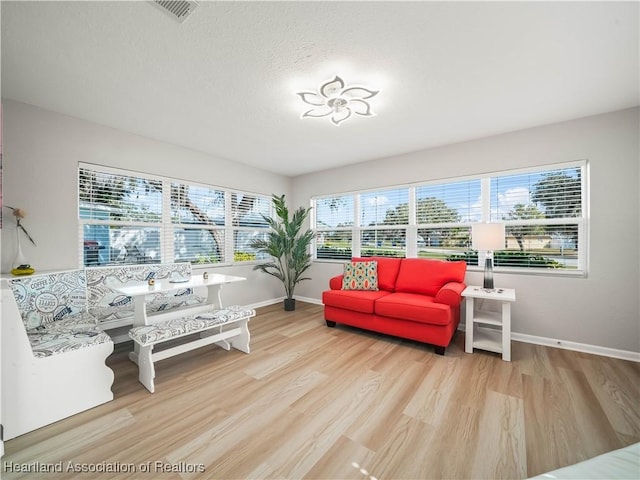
column 547, row 194
column 120, row 218
column 131, row 218
column 384, row 216
column 443, row 214
column 198, row 217
column 452, row 202
column 543, row 216
column 543, row 210
column 334, row 220
column 249, row 224
column 386, row 207
column 334, row 212
column 127, row 198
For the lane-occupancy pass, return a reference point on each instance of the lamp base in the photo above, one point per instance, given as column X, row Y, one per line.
column 488, row 274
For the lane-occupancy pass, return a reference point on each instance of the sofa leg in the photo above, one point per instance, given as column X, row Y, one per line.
column 439, row 350
column 330, row 323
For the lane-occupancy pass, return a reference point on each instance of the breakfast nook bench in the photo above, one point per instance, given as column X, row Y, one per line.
column 56, row 333
column 54, row 352
column 165, row 303
column 211, row 326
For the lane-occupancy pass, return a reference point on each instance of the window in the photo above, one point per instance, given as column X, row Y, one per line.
column 121, row 218
column 384, row 219
column 444, row 212
column 543, row 216
column 248, row 212
column 198, row 221
column 543, row 211
column 334, row 226
column 131, row 218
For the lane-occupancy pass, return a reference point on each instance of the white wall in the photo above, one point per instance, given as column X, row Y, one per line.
column 41, row 151
column 601, row 309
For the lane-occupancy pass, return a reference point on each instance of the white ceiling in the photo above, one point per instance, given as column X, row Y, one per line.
column 224, row 81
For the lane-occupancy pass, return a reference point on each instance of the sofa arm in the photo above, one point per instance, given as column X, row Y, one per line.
column 450, row 294
column 335, row 283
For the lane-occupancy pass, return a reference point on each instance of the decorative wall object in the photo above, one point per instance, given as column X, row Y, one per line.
column 338, row 101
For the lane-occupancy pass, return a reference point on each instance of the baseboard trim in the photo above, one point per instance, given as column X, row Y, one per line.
column 533, row 339
column 577, row 347
column 266, row 303
column 574, row 346
column 273, row 301
column 314, row 301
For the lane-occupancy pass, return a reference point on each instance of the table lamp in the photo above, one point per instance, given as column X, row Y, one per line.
column 488, row 237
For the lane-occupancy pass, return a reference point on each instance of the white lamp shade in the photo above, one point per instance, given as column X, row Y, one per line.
column 487, row 236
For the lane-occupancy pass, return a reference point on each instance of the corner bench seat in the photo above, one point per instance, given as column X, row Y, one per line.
column 56, row 351
column 54, row 334
column 66, row 335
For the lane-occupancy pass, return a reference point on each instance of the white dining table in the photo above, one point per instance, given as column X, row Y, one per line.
column 141, row 291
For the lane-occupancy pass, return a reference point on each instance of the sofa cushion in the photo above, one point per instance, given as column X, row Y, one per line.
column 360, row 276
column 414, row 307
column 356, row 300
column 388, row 268
column 427, row 276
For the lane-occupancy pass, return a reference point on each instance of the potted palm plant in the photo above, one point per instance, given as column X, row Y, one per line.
column 288, row 247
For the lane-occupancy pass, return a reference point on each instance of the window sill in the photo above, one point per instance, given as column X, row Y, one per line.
column 541, row 272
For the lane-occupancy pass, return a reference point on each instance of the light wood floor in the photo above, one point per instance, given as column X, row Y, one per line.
column 315, row 402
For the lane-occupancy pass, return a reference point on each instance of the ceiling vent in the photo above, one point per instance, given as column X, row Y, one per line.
column 177, row 9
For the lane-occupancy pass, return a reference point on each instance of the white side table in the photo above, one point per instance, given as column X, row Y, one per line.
column 489, row 330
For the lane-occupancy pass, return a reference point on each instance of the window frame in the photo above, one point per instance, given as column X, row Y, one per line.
column 384, row 229
column 320, row 232
column 168, row 223
column 413, row 228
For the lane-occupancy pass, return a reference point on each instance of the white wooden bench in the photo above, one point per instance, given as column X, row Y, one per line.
column 226, row 327
column 54, row 352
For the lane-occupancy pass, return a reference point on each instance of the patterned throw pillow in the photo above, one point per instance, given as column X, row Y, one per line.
column 360, row 276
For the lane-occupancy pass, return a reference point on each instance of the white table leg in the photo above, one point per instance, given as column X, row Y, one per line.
column 468, row 340
column 506, row 331
column 213, row 295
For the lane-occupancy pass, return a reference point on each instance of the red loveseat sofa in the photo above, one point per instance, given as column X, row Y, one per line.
column 417, row 299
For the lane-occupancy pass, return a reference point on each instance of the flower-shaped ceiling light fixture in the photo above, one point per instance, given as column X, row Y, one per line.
column 337, row 101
